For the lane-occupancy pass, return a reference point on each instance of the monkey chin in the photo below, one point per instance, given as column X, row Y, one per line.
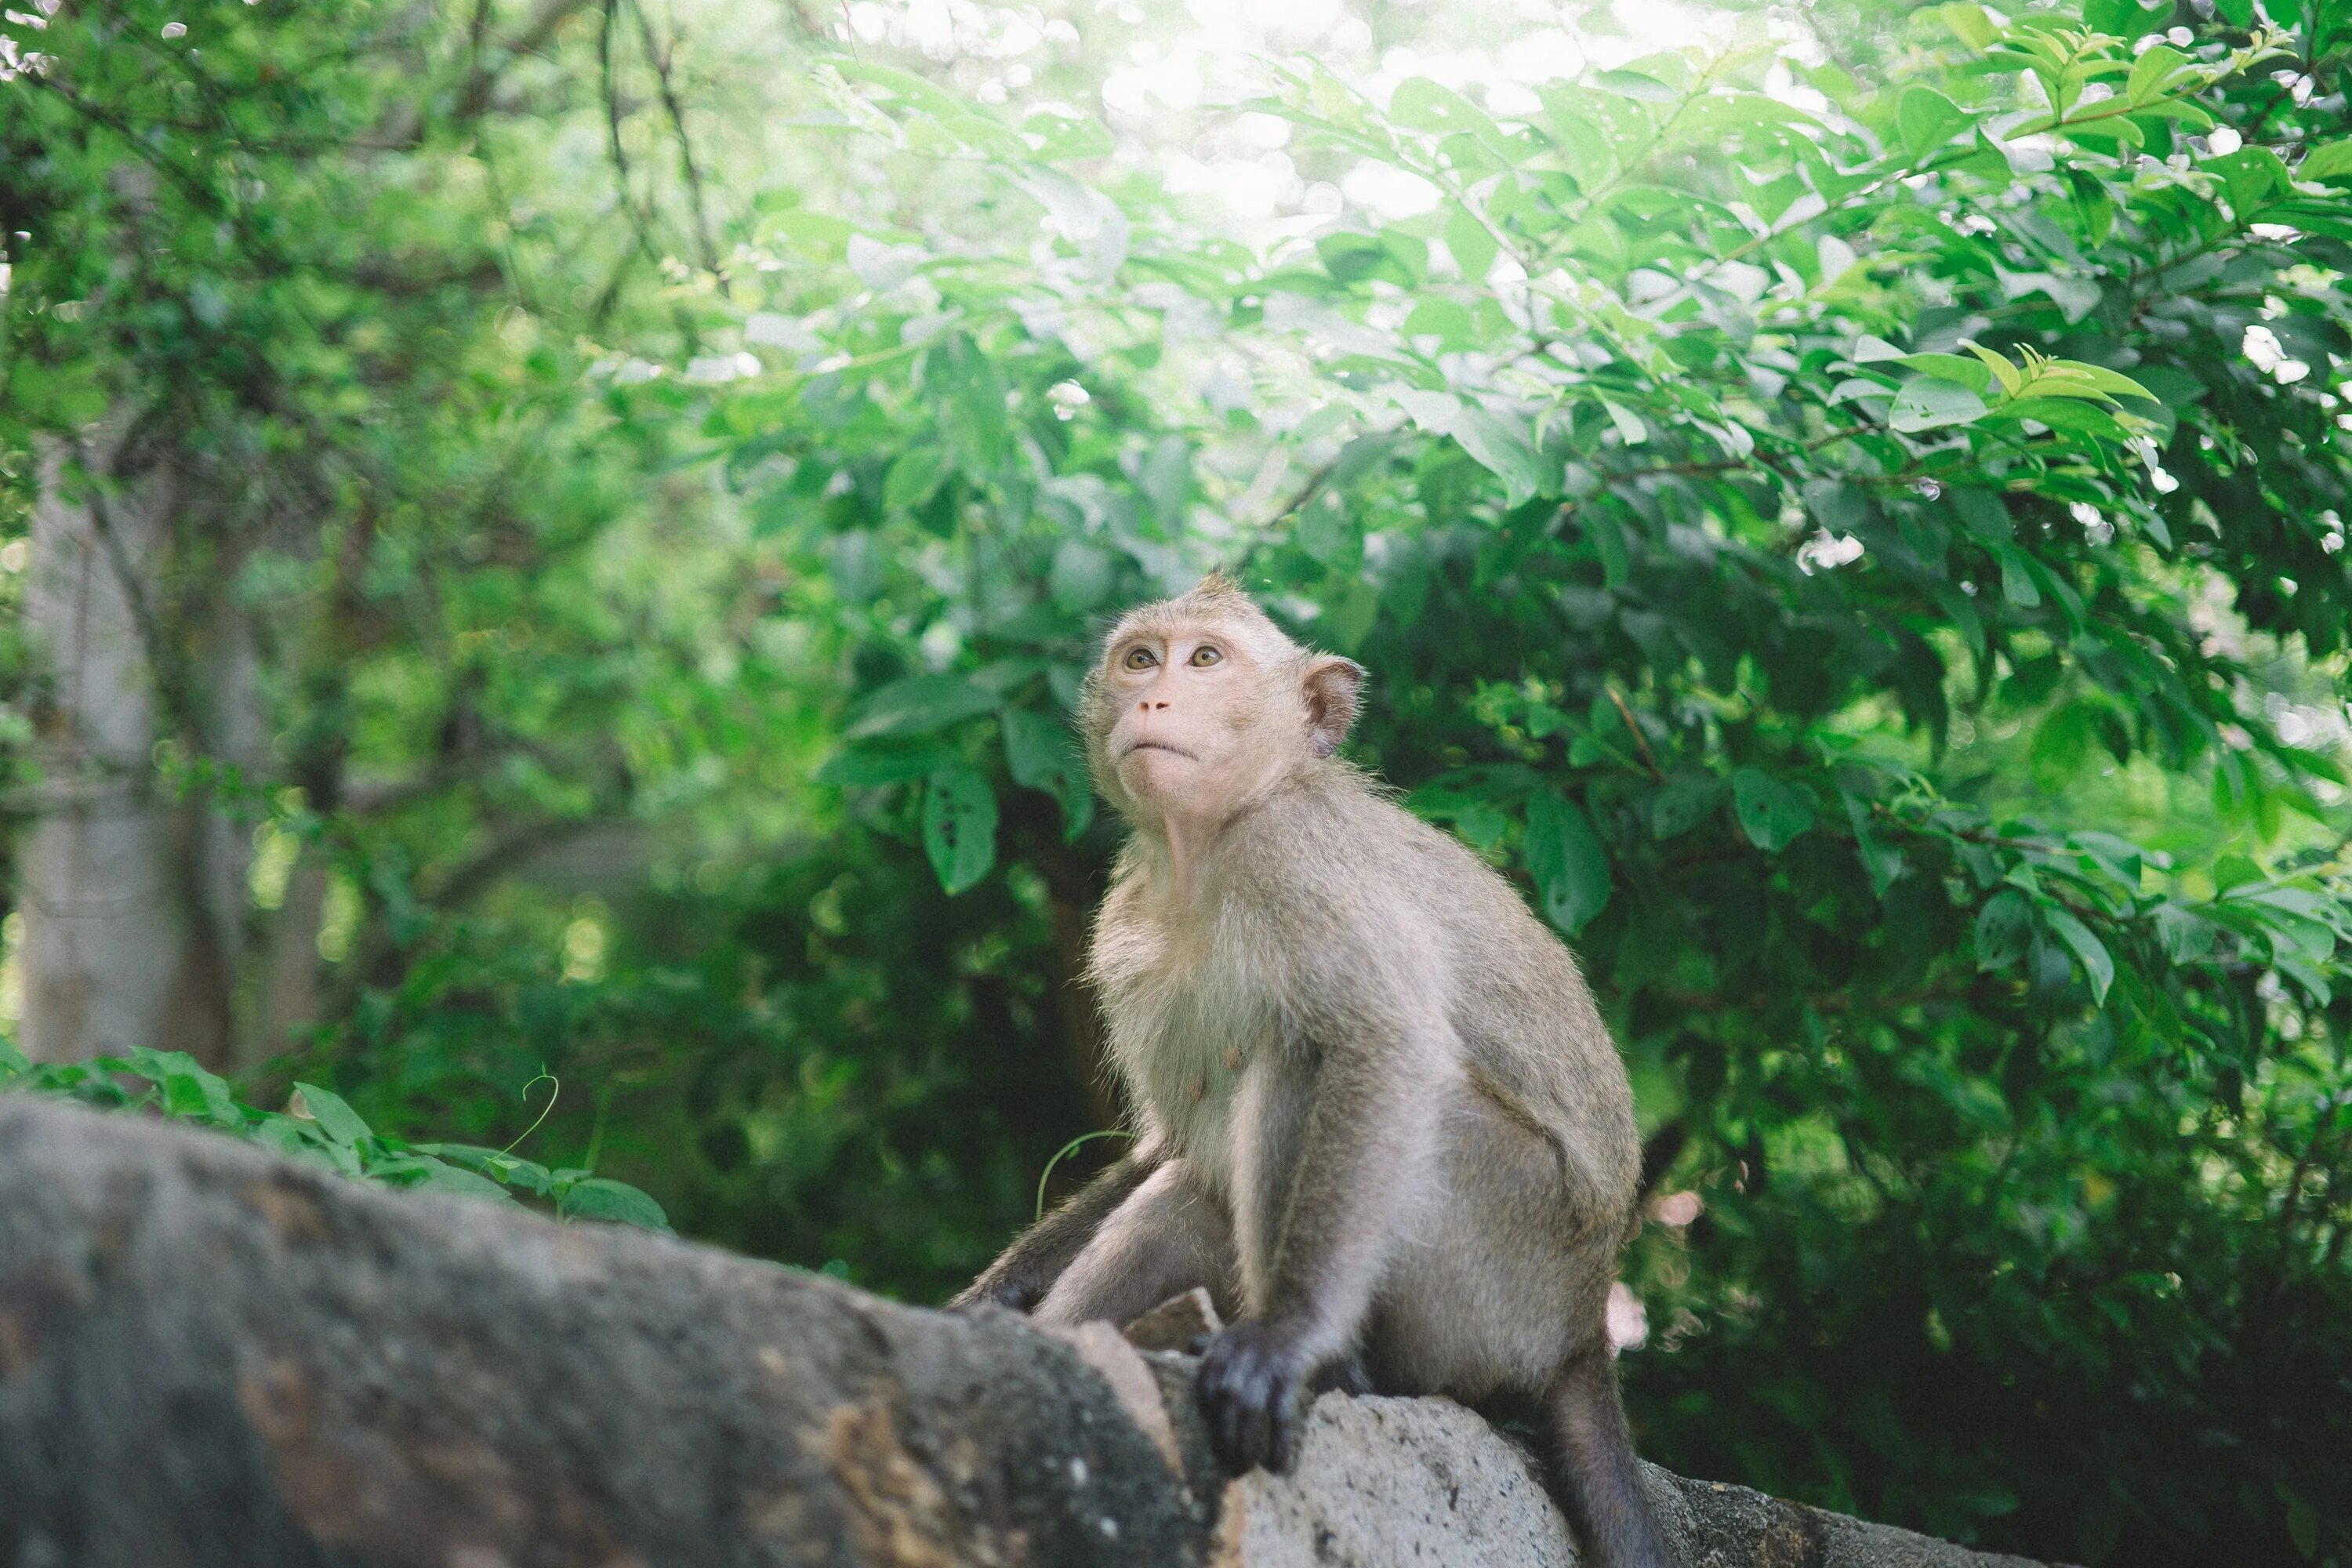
column 1160, row 772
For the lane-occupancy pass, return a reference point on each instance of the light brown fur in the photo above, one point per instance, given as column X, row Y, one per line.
column 1377, row 1112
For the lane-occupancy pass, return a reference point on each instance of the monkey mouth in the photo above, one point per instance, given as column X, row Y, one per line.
column 1161, row 746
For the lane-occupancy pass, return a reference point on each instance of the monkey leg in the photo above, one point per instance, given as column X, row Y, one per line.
column 1167, row 1237
column 1020, row 1278
column 1597, row 1472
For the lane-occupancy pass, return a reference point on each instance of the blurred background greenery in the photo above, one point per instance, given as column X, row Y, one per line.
column 557, row 537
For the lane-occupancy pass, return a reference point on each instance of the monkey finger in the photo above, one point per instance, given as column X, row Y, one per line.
column 1249, row 1425
column 1238, row 1442
column 1225, row 1400
column 1282, row 1435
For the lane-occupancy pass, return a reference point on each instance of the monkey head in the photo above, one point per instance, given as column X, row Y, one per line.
column 1199, row 701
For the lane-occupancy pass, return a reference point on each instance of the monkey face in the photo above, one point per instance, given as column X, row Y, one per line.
column 1186, row 705
column 1199, row 701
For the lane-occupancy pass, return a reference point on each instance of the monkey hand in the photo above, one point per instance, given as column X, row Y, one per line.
column 1252, row 1384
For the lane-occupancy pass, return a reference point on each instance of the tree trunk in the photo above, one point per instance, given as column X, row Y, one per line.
column 210, row 1356
column 133, row 899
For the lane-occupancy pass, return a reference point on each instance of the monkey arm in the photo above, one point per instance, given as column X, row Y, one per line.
column 1363, row 1155
column 1364, row 1158
column 1027, row 1269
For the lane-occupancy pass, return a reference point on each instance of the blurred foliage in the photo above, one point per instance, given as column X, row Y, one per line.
column 318, row 1128
column 1852, row 521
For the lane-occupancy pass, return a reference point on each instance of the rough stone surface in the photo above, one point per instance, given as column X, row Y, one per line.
column 1175, row 1323
column 211, row 1358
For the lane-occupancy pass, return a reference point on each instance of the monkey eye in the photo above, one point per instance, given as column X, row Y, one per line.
column 1139, row 659
column 1205, row 655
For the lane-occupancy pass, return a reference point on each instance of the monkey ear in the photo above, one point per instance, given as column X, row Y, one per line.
column 1330, row 685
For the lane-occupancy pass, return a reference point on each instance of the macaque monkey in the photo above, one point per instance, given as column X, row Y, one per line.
column 1377, row 1114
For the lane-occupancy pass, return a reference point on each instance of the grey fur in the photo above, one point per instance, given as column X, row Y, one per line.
column 1378, row 1114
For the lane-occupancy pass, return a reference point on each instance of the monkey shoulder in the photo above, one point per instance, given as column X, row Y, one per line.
column 1334, row 877
column 1346, row 844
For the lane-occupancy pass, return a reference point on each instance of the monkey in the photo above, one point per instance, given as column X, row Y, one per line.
column 1376, row 1113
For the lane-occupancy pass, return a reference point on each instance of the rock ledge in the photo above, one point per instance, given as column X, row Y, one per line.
column 211, row 1358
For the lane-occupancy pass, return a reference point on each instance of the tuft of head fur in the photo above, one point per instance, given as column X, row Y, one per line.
column 1215, row 600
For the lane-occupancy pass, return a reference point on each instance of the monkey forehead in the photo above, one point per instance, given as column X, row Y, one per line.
column 1207, row 609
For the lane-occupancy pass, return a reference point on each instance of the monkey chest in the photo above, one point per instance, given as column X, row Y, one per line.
column 1185, row 1044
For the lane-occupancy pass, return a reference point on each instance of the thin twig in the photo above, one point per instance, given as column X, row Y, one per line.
column 639, row 222
column 1640, row 740
column 659, row 56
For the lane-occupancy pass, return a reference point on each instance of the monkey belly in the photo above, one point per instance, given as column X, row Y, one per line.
column 1498, row 1285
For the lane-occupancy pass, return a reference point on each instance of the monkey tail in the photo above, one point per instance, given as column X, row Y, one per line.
column 1597, row 1476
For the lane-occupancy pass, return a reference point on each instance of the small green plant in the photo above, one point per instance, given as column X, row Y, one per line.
column 318, row 1127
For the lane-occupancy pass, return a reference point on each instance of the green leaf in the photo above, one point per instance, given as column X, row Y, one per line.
column 1364, row 258
column 335, row 1119
column 1079, row 577
column 2302, row 1523
column 437, row 1177
column 2233, row 871
column 1635, row 85
column 2332, row 162
column 1930, row 402
column 1926, row 119
column 1630, row 428
column 2186, row 936
column 1041, row 755
column 600, row 1198
column 918, row 703
column 2004, row 928
column 1881, row 862
column 1968, row 23
column 2098, row 965
column 1059, row 137
column 1683, row 803
column 1973, row 374
column 2153, row 71
column 2017, row 584
column 1472, row 247
column 881, row 763
column 2253, row 176
column 186, row 1088
column 2074, row 378
column 959, row 826
column 969, row 396
column 1165, row 479
column 1772, row 811
column 1424, row 105
column 1347, row 620
column 915, row 477
column 1503, row 448
column 1997, row 366
column 1567, row 860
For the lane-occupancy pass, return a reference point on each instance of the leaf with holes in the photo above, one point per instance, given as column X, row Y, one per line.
column 1772, row 812
column 1931, row 403
column 2004, row 928
column 1041, row 755
column 959, row 826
